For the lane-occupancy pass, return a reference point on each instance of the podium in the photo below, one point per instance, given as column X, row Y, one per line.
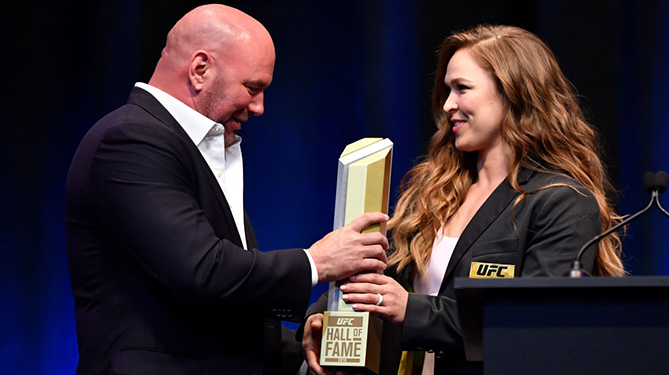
column 595, row 325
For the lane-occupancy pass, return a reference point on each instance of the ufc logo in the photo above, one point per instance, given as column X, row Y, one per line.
column 491, row 270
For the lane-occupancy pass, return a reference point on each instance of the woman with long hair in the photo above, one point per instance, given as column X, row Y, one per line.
column 512, row 179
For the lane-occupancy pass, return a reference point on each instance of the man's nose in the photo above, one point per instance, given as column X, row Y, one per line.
column 257, row 107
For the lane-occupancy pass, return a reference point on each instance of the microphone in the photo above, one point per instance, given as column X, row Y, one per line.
column 662, row 180
column 649, row 182
column 654, row 183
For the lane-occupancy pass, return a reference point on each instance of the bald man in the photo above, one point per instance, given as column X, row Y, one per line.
column 164, row 266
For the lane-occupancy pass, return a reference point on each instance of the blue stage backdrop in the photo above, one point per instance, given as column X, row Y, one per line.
column 345, row 70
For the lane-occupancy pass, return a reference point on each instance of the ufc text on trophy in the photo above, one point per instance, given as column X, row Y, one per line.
column 350, row 338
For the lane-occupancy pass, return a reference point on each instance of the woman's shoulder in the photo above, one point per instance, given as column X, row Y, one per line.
column 555, row 191
column 541, row 181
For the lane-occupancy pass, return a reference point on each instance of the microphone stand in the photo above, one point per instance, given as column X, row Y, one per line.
column 662, row 209
column 576, row 268
column 655, row 184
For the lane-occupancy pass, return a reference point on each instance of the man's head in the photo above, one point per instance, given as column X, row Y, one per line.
column 218, row 61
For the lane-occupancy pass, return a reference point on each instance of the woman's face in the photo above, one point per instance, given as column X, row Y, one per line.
column 474, row 105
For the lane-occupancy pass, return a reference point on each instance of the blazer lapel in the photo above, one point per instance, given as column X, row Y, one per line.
column 499, row 200
column 251, row 240
column 149, row 103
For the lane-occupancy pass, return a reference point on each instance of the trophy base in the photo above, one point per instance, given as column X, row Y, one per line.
column 351, row 340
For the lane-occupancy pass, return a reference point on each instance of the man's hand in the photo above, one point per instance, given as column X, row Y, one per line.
column 311, row 348
column 311, row 343
column 346, row 251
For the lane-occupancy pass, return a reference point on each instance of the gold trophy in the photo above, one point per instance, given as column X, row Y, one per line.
column 350, row 338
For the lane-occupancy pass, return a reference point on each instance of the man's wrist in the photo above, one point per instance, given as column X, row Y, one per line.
column 314, row 271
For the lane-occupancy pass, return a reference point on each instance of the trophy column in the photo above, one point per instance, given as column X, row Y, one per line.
column 350, row 338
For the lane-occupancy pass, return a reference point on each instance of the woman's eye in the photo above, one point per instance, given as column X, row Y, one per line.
column 462, row 88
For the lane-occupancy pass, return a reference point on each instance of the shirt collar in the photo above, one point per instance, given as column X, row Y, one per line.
column 195, row 124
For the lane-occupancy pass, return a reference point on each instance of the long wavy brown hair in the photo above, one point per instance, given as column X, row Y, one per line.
column 544, row 128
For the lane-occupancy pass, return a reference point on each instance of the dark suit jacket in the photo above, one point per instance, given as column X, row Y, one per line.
column 160, row 281
column 540, row 236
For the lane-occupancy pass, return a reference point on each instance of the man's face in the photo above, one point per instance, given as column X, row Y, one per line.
column 237, row 89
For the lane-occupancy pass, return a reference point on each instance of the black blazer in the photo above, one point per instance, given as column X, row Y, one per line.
column 540, row 237
column 160, row 282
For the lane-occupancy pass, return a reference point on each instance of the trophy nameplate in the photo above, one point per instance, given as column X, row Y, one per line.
column 353, row 339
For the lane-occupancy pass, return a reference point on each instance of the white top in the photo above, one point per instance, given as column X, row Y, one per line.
column 442, row 251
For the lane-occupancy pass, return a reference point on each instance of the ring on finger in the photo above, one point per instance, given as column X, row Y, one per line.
column 380, row 299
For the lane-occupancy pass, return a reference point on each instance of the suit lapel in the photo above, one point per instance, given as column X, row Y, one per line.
column 497, row 202
column 251, row 241
column 149, row 103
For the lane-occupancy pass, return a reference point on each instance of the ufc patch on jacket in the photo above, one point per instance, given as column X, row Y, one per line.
column 491, row 271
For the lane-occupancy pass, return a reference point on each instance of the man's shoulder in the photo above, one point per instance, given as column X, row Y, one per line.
column 129, row 120
column 141, row 108
column 129, row 112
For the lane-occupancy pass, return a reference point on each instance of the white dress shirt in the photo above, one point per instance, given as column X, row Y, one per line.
column 226, row 163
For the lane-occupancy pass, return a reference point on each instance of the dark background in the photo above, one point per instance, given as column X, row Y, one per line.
column 345, row 70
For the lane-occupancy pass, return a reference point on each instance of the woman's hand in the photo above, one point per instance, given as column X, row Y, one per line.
column 366, row 290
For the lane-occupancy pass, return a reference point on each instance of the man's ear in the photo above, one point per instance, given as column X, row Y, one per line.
column 198, row 69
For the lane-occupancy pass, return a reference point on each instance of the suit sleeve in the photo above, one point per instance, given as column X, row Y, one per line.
column 562, row 219
column 143, row 190
column 431, row 323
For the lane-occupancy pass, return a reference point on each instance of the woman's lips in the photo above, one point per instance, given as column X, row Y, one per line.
column 457, row 125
